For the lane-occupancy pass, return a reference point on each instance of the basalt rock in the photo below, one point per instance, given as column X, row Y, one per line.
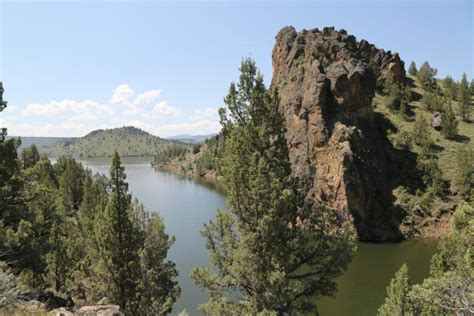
column 326, row 82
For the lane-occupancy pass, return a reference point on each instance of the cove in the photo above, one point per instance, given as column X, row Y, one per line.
column 185, row 205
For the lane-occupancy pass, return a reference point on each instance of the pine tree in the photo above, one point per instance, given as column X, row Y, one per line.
column 397, row 302
column 450, row 86
column 449, row 125
column 29, row 156
column 157, row 288
column 427, row 74
column 119, row 242
column 257, row 247
column 421, row 134
column 464, row 176
column 472, row 86
column 412, row 69
column 464, row 99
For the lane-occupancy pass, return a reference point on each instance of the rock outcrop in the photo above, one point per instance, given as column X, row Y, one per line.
column 326, row 82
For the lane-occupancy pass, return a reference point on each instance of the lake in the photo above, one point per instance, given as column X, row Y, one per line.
column 186, row 204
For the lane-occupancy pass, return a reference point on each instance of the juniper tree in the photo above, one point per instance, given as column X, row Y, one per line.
column 30, row 156
column 421, row 134
column 132, row 248
column 427, row 74
column 464, row 175
column 263, row 261
column 449, row 125
column 464, row 99
column 412, row 69
column 397, row 302
column 119, row 241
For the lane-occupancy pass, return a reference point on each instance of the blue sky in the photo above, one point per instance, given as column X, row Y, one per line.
column 71, row 67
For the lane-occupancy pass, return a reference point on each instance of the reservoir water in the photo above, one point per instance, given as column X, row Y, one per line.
column 185, row 205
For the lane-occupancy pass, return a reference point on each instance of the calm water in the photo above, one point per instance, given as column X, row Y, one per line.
column 186, row 204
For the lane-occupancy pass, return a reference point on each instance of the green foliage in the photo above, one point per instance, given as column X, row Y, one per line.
column 263, row 261
column 433, row 101
column 29, row 156
column 196, row 148
column 412, row 69
column 128, row 141
column 464, row 177
column 205, row 162
column 403, row 140
column 174, row 150
column 421, row 134
column 449, row 125
column 128, row 259
column 471, row 86
column 450, row 86
column 427, row 74
column 398, row 96
column 3, row 105
column 448, row 289
column 9, row 291
column 396, row 302
column 464, row 99
column 62, row 230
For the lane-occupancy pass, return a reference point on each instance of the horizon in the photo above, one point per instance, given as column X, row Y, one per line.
column 76, row 67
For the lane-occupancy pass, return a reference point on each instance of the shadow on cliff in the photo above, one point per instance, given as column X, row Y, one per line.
column 402, row 167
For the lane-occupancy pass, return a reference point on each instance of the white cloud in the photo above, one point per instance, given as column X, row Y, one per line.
column 77, row 118
column 122, row 94
column 164, row 109
column 68, row 107
column 205, row 114
column 11, row 109
column 147, row 97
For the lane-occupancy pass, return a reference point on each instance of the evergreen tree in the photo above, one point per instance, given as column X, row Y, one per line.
column 412, row 69
column 157, row 289
column 257, row 247
column 450, row 87
column 421, row 134
column 464, row 175
column 3, row 105
column 119, row 241
column 427, row 74
column 449, row 125
column 464, row 99
column 396, row 302
column 472, row 86
column 448, row 289
column 30, row 156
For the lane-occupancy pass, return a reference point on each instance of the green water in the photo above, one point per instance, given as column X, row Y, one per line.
column 185, row 205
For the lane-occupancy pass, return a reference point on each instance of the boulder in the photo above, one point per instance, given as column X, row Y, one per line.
column 437, row 121
column 100, row 310
column 326, row 87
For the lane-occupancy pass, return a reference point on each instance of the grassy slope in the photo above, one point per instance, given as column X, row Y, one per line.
column 128, row 141
column 447, row 154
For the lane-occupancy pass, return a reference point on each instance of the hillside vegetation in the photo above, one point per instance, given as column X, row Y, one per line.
column 128, row 141
column 28, row 141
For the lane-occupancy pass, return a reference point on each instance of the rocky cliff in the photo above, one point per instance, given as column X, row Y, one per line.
column 326, row 81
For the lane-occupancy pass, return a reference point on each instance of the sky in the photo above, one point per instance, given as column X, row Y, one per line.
column 70, row 67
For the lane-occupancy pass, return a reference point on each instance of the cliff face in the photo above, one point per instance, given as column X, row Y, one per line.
column 326, row 81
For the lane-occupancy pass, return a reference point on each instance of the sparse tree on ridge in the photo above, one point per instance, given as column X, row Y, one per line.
column 449, row 125
column 412, row 69
column 464, row 99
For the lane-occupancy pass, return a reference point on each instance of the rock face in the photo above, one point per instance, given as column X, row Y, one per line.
column 326, row 81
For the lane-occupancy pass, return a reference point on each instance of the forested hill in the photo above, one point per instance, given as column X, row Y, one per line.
column 128, row 141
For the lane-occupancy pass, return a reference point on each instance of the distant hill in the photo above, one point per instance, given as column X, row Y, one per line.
column 27, row 141
column 191, row 139
column 128, row 141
